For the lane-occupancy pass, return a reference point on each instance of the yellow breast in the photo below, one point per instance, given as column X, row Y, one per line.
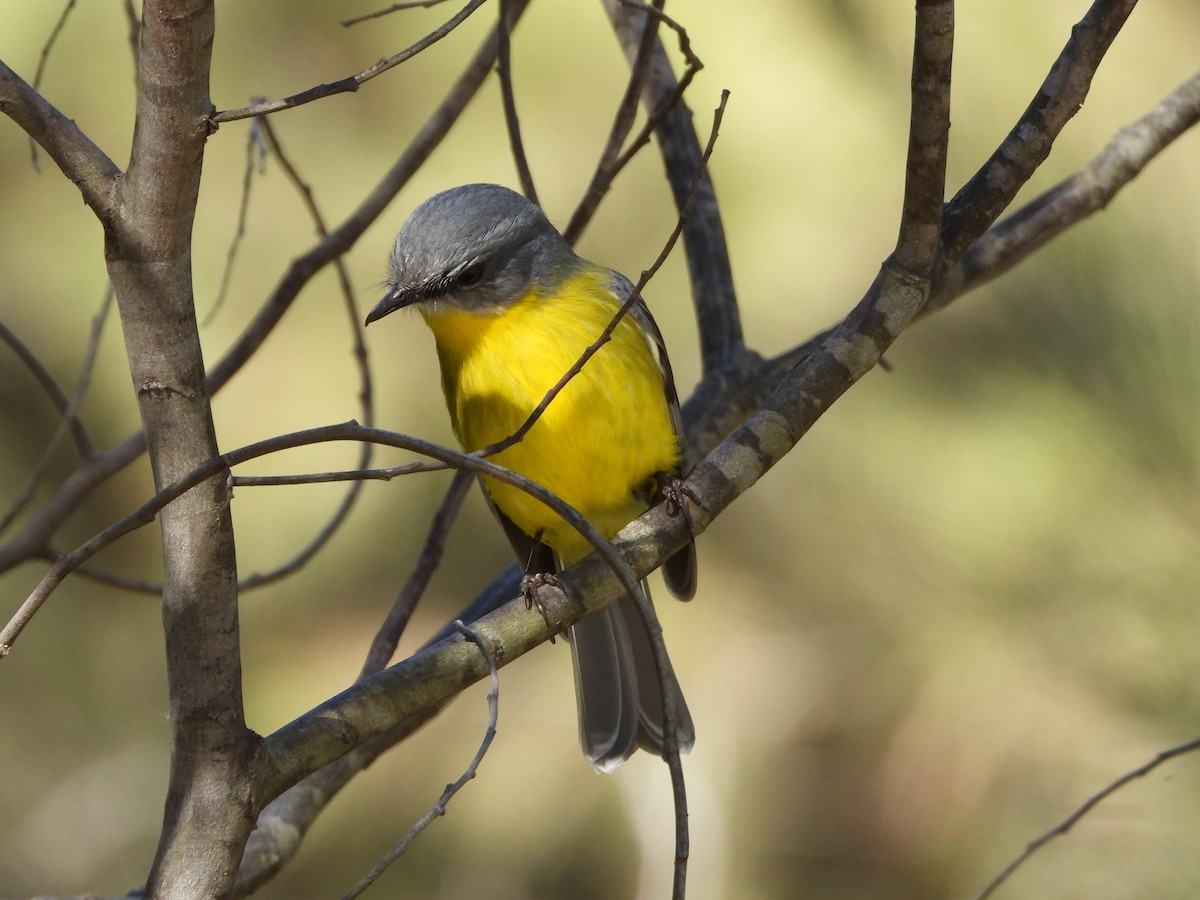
column 600, row 440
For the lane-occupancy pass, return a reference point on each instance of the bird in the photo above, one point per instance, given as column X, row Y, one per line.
column 512, row 308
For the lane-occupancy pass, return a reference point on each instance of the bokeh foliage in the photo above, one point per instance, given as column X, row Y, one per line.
column 962, row 605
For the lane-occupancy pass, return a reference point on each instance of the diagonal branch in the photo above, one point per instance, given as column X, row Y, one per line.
column 990, row 190
column 1072, row 820
column 722, row 346
column 85, row 164
column 388, row 636
column 68, row 408
column 439, row 808
column 1070, row 201
column 606, row 168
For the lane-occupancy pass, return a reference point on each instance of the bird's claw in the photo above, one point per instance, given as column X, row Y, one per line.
column 673, row 491
column 529, row 591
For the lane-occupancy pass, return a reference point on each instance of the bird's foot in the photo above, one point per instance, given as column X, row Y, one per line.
column 673, row 491
column 529, row 591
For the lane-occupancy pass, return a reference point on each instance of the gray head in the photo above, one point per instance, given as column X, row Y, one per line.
column 478, row 246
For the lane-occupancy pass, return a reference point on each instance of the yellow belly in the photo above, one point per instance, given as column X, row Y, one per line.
column 600, row 440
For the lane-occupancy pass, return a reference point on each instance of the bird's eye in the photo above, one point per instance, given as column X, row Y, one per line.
column 470, row 275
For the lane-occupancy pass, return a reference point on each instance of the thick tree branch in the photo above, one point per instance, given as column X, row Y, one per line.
column 148, row 249
column 428, row 678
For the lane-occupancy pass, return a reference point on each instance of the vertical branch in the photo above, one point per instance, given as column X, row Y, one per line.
column 919, row 241
column 208, row 810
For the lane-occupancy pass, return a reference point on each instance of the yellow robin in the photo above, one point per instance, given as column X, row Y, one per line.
column 512, row 308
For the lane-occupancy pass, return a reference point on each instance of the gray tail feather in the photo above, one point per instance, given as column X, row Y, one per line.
column 616, row 685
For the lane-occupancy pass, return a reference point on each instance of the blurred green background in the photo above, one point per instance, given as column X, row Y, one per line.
column 962, row 605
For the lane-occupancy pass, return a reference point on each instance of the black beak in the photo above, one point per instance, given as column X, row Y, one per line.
column 396, row 298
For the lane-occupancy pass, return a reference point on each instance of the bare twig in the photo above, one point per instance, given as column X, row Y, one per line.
column 34, row 536
column 722, row 348
column 255, row 153
column 62, row 404
column 692, row 65
column 395, row 7
column 38, row 370
column 621, row 126
column 70, row 423
column 385, row 474
column 646, row 608
column 44, row 56
column 43, row 59
column 439, row 808
column 1072, row 820
column 643, row 68
column 351, row 83
column 112, row 579
column 348, row 431
column 134, row 29
column 366, row 392
column 388, row 636
column 511, row 120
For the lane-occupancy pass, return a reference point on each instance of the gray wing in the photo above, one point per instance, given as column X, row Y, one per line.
column 679, row 571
